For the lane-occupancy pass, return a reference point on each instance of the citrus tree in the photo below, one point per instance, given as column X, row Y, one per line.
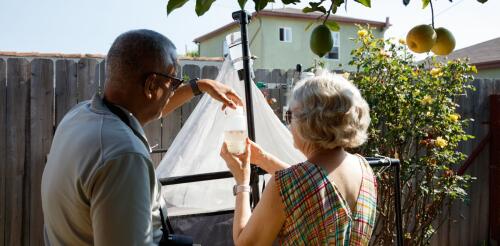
column 327, row 7
column 422, row 38
column 414, row 119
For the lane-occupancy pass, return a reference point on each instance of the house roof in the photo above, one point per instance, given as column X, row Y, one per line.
column 295, row 14
column 482, row 55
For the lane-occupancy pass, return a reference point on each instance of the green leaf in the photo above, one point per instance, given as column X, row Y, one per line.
column 203, row 6
column 339, row 2
column 261, row 4
column 174, row 4
column 290, row 1
column 321, row 9
column 307, row 10
column 332, row 25
column 482, row 1
column 367, row 3
column 309, row 25
column 406, row 2
column 242, row 3
column 425, row 3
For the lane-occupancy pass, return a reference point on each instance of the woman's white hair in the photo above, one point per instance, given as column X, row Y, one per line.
column 329, row 112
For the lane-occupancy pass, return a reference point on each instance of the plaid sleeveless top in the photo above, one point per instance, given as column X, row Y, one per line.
column 316, row 212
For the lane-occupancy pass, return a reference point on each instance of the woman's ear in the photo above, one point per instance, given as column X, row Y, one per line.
column 150, row 86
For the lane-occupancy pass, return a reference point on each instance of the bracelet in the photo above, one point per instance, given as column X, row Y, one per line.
column 241, row 188
column 194, row 87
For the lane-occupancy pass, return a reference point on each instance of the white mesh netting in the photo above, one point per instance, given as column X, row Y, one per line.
column 196, row 149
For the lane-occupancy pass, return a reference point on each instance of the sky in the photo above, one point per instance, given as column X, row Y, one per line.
column 90, row 26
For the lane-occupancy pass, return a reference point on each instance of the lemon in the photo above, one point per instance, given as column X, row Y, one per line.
column 445, row 42
column 321, row 40
column 421, row 38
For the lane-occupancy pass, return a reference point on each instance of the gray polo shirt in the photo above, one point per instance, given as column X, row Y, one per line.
column 99, row 185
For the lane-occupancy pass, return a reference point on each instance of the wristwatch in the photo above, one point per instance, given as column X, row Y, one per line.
column 194, row 86
column 241, row 188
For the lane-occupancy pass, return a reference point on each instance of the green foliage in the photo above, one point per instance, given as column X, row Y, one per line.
column 261, row 4
column 366, row 3
column 242, row 3
column 193, row 53
column 414, row 119
column 202, row 6
column 425, row 3
column 174, row 4
column 332, row 25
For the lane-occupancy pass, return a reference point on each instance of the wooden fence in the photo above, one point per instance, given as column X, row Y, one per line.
column 468, row 222
column 35, row 93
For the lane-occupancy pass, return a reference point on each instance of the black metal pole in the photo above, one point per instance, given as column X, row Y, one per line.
column 397, row 201
column 243, row 18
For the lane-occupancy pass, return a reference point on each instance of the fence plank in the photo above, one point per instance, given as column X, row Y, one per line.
column 153, row 134
column 209, row 72
column 278, row 76
column 171, row 125
column 66, row 87
column 18, row 86
column 3, row 145
column 102, row 76
column 41, row 115
column 262, row 75
column 88, row 78
column 191, row 71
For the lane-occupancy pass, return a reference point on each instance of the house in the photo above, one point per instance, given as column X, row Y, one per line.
column 280, row 40
column 485, row 56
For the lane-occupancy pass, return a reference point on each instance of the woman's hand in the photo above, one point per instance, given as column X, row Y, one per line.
column 220, row 92
column 258, row 155
column 239, row 165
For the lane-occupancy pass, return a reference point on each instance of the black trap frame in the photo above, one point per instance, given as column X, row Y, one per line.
column 243, row 18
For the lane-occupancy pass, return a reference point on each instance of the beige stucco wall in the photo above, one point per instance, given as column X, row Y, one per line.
column 491, row 73
column 274, row 53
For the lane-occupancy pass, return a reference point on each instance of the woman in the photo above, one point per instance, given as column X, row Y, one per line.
column 328, row 199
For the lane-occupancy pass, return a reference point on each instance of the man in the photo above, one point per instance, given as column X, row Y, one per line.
column 99, row 185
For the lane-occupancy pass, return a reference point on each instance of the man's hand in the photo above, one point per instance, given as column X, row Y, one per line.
column 220, row 92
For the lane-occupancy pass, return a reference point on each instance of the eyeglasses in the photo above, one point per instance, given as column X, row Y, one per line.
column 176, row 82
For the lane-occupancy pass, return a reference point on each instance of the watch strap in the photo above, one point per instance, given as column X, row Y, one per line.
column 241, row 188
column 194, row 87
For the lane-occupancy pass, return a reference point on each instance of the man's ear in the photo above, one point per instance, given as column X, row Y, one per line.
column 150, row 86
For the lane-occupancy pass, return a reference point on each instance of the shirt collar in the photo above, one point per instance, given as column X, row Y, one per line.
column 98, row 106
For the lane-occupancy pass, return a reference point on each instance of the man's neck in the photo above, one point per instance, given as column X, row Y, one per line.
column 127, row 105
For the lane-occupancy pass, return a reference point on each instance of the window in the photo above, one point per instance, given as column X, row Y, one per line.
column 286, row 34
column 334, row 54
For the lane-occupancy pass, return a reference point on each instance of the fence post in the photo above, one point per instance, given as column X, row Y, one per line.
column 495, row 168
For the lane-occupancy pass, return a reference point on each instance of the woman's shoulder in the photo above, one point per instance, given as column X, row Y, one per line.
column 296, row 170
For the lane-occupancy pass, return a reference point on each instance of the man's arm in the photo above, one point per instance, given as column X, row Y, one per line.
column 215, row 89
column 121, row 201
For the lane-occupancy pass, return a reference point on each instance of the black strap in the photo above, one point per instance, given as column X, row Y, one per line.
column 170, row 229
column 123, row 117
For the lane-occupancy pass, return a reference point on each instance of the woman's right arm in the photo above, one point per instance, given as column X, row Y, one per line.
column 265, row 160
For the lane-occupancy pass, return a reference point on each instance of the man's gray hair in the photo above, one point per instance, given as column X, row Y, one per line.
column 135, row 49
